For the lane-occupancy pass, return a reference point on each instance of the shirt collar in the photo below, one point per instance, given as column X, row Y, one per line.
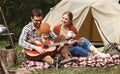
column 33, row 27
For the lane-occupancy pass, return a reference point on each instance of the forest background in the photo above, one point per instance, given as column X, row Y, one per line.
column 18, row 12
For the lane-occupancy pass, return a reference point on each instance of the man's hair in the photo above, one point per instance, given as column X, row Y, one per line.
column 37, row 12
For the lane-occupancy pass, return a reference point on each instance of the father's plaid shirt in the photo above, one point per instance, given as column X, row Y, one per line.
column 29, row 32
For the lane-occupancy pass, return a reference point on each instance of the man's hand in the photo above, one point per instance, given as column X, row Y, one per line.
column 39, row 49
column 37, row 42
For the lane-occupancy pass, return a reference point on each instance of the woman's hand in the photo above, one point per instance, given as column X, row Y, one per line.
column 71, row 42
column 71, row 37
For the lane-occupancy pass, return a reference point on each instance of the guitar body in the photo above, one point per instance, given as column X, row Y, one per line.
column 37, row 56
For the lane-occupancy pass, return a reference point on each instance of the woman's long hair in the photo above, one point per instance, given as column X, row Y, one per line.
column 70, row 14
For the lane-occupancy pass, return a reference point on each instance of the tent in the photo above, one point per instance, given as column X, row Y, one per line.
column 106, row 12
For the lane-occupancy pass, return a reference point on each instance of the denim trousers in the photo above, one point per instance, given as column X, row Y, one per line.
column 81, row 49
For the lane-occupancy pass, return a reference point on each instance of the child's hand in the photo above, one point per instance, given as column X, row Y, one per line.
column 60, row 46
column 37, row 42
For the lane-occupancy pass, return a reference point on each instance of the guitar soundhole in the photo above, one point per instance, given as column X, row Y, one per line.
column 45, row 46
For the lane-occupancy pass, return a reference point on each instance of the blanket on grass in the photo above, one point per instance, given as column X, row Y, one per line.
column 82, row 61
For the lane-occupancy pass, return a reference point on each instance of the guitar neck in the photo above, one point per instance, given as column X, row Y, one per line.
column 55, row 44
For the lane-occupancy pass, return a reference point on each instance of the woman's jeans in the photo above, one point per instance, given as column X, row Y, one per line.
column 81, row 50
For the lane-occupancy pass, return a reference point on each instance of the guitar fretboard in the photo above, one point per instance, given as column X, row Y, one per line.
column 57, row 44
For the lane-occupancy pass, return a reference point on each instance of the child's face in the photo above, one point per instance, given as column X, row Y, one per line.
column 45, row 36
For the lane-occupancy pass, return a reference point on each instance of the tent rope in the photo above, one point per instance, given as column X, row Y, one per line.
column 101, row 31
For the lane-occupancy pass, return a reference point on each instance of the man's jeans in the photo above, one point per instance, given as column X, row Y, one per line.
column 81, row 50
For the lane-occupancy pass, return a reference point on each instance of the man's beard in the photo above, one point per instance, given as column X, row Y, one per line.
column 37, row 25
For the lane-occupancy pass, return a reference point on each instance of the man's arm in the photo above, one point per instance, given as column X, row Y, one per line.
column 52, row 35
column 23, row 38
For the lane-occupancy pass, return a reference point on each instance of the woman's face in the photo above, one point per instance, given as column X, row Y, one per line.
column 65, row 20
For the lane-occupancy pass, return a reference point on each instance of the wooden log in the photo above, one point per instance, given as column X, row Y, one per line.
column 9, row 57
column 3, row 67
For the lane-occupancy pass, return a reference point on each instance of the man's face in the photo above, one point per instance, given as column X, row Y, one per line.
column 37, row 20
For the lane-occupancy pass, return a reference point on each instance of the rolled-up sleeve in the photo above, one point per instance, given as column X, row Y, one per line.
column 52, row 35
column 23, row 38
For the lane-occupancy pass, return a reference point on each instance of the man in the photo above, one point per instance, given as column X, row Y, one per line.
column 32, row 30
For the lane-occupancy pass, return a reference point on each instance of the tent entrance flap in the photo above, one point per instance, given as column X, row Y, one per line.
column 89, row 29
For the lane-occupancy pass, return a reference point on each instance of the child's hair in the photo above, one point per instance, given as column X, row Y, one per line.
column 44, row 28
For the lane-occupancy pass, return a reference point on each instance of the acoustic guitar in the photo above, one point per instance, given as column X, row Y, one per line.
column 48, row 46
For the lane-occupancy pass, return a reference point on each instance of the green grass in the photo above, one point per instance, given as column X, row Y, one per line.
column 69, row 70
column 82, row 70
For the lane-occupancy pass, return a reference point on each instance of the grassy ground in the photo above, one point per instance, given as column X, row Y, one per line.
column 70, row 70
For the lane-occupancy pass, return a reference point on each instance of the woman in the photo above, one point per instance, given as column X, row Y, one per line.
column 83, row 49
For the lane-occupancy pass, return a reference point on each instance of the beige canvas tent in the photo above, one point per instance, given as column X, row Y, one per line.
column 106, row 12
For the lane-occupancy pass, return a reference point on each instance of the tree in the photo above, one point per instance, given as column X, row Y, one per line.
column 18, row 12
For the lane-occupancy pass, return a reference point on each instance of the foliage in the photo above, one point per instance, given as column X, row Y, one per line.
column 18, row 12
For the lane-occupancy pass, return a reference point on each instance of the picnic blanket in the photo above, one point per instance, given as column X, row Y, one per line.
column 82, row 61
